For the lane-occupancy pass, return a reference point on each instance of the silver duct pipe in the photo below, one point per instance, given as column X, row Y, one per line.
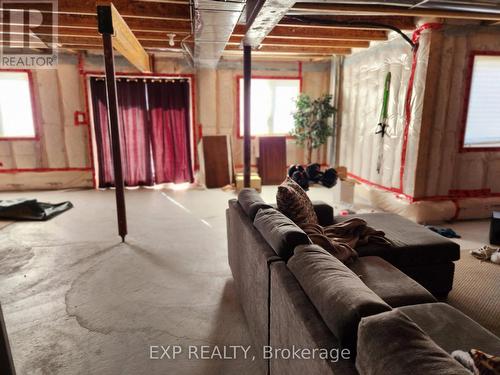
column 214, row 21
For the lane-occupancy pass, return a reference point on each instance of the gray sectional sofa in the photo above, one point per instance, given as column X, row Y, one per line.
column 296, row 295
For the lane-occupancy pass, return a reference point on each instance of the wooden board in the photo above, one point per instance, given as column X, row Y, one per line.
column 272, row 160
column 216, row 155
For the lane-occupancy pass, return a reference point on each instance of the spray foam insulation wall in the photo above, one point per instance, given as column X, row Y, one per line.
column 443, row 169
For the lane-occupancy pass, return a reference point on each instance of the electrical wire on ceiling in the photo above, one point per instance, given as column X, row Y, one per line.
column 311, row 21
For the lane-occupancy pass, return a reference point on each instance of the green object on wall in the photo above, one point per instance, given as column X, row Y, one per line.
column 382, row 124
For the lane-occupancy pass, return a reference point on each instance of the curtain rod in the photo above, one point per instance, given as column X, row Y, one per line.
column 143, row 79
column 98, row 75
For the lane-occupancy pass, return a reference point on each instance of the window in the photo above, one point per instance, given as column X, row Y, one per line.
column 272, row 105
column 483, row 116
column 16, row 114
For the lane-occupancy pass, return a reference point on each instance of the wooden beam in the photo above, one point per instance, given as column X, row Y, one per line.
column 331, row 33
column 307, row 43
column 135, row 24
column 299, row 50
column 125, row 42
column 96, row 41
column 402, row 23
column 69, row 22
column 89, row 32
column 379, row 10
column 127, row 9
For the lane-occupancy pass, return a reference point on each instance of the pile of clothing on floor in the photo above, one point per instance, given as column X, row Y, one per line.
column 312, row 174
column 487, row 253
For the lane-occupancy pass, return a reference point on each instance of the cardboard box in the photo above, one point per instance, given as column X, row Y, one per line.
column 255, row 182
column 343, row 192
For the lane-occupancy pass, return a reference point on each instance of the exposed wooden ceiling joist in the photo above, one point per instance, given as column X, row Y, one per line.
column 127, row 9
column 402, row 23
column 135, row 24
column 236, row 40
column 296, row 49
column 331, row 33
column 379, row 10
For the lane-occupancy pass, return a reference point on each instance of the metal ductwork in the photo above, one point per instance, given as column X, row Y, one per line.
column 262, row 16
column 214, row 21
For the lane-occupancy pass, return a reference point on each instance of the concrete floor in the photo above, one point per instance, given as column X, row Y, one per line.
column 77, row 301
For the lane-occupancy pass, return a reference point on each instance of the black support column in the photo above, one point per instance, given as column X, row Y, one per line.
column 106, row 29
column 247, row 83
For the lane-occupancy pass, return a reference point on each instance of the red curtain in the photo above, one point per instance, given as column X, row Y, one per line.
column 102, row 134
column 154, row 132
column 134, row 133
column 169, row 113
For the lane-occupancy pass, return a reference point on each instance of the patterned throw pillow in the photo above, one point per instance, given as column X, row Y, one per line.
column 294, row 203
column 486, row 364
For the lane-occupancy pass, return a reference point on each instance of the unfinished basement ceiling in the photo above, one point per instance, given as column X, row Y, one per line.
column 481, row 7
column 465, row 6
column 211, row 28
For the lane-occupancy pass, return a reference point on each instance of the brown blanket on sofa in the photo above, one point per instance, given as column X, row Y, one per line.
column 341, row 239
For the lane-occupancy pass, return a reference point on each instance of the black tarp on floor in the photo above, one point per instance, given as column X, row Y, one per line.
column 31, row 209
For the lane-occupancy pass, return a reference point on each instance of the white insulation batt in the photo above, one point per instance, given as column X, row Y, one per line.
column 60, row 157
column 362, row 94
column 440, row 182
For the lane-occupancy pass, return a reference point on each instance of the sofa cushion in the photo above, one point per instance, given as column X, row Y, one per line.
column 391, row 343
column 414, row 244
column 389, row 283
column 251, row 202
column 451, row 329
column 338, row 294
column 279, row 232
column 324, row 213
column 293, row 201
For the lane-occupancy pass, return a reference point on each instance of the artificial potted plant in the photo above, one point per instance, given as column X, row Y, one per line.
column 311, row 125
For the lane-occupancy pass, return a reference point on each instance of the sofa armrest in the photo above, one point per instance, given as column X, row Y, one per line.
column 324, row 212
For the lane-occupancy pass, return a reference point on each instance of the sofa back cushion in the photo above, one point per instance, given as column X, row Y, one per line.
column 293, row 201
column 251, row 202
column 391, row 343
column 339, row 295
column 279, row 232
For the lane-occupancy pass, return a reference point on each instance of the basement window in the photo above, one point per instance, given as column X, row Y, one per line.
column 16, row 112
column 482, row 128
column 272, row 105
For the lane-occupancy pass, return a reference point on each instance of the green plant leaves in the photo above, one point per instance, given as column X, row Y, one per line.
column 312, row 128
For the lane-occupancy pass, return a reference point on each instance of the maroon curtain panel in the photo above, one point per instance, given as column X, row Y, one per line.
column 154, row 120
column 169, row 113
column 102, row 134
column 134, row 133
